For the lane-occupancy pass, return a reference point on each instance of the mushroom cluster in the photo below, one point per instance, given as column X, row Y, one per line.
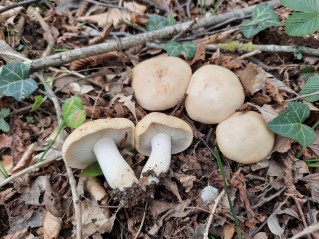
column 213, row 95
column 213, row 92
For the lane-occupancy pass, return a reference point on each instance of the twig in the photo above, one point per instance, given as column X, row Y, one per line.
column 18, row 4
column 237, row 46
column 72, row 182
column 268, row 199
column 211, row 216
column 303, row 96
column 307, row 231
column 142, row 222
column 127, row 42
column 27, row 170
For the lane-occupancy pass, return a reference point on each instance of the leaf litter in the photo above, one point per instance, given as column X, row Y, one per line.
column 39, row 204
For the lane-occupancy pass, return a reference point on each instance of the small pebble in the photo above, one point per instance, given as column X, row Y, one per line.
column 209, row 194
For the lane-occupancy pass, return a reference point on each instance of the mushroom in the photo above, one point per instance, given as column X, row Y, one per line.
column 244, row 137
column 213, row 94
column 98, row 140
column 161, row 82
column 159, row 136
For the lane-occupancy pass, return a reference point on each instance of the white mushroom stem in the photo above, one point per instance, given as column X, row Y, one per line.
column 115, row 169
column 160, row 158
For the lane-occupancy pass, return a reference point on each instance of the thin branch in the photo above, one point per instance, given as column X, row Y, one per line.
column 72, row 181
column 307, row 231
column 18, row 4
column 238, row 46
column 127, row 42
column 27, row 170
column 211, row 216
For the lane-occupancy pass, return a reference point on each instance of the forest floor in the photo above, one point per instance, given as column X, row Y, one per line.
column 275, row 198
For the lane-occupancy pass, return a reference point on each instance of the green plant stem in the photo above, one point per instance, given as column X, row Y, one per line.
column 232, row 209
column 3, row 171
column 315, row 125
column 53, row 140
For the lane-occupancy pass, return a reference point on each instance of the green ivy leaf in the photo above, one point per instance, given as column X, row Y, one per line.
column 311, row 86
column 4, row 126
column 263, row 17
column 4, row 112
column 170, row 21
column 72, row 112
column 155, row 22
column 38, row 100
column 289, row 124
column 187, row 49
column 92, row 170
column 14, row 81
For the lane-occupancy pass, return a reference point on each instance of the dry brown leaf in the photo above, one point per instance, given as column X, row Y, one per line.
column 282, row 144
column 52, row 199
column 10, row 14
column 94, row 219
column 171, row 185
column 260, row 235
column 135, row 7
column 51, row 226
column 158, row 207
column 75, row 88
column 186, row 180
column 177, row 211
column 253, row 78
column 5, row 141
column 33, row 195
column 25, row 161
column 229, row 231
column 127, row 101
column 17, row 235
column 312, row 180
column 112, row 16
column 7, row 162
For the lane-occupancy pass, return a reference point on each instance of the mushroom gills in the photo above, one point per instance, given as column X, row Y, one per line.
column 160, row 158
column 116, row 170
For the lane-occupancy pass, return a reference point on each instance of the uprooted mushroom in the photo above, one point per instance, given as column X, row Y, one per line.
column 97, row 141
column 159, row 136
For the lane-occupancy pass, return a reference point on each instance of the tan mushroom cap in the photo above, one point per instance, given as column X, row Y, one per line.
column 181, row 133
column 244, row 137
column 161, row 82
column 213, row 94
column 77, row 149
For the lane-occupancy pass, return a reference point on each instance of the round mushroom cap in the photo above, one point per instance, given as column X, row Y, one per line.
column 77, row 150
column 244, row 137
column 160, row 83
column 181, row 133
column 213, row 94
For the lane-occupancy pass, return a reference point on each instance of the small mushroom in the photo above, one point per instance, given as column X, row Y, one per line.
column 213, row 94
column 160, row 83
column 98, row 140
column 244, row 137
column 159, row 136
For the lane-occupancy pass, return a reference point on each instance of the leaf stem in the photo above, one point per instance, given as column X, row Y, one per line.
column 3, row 171
column 232, row 209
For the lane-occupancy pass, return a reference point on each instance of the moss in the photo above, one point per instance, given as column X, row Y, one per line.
column 237, row 46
